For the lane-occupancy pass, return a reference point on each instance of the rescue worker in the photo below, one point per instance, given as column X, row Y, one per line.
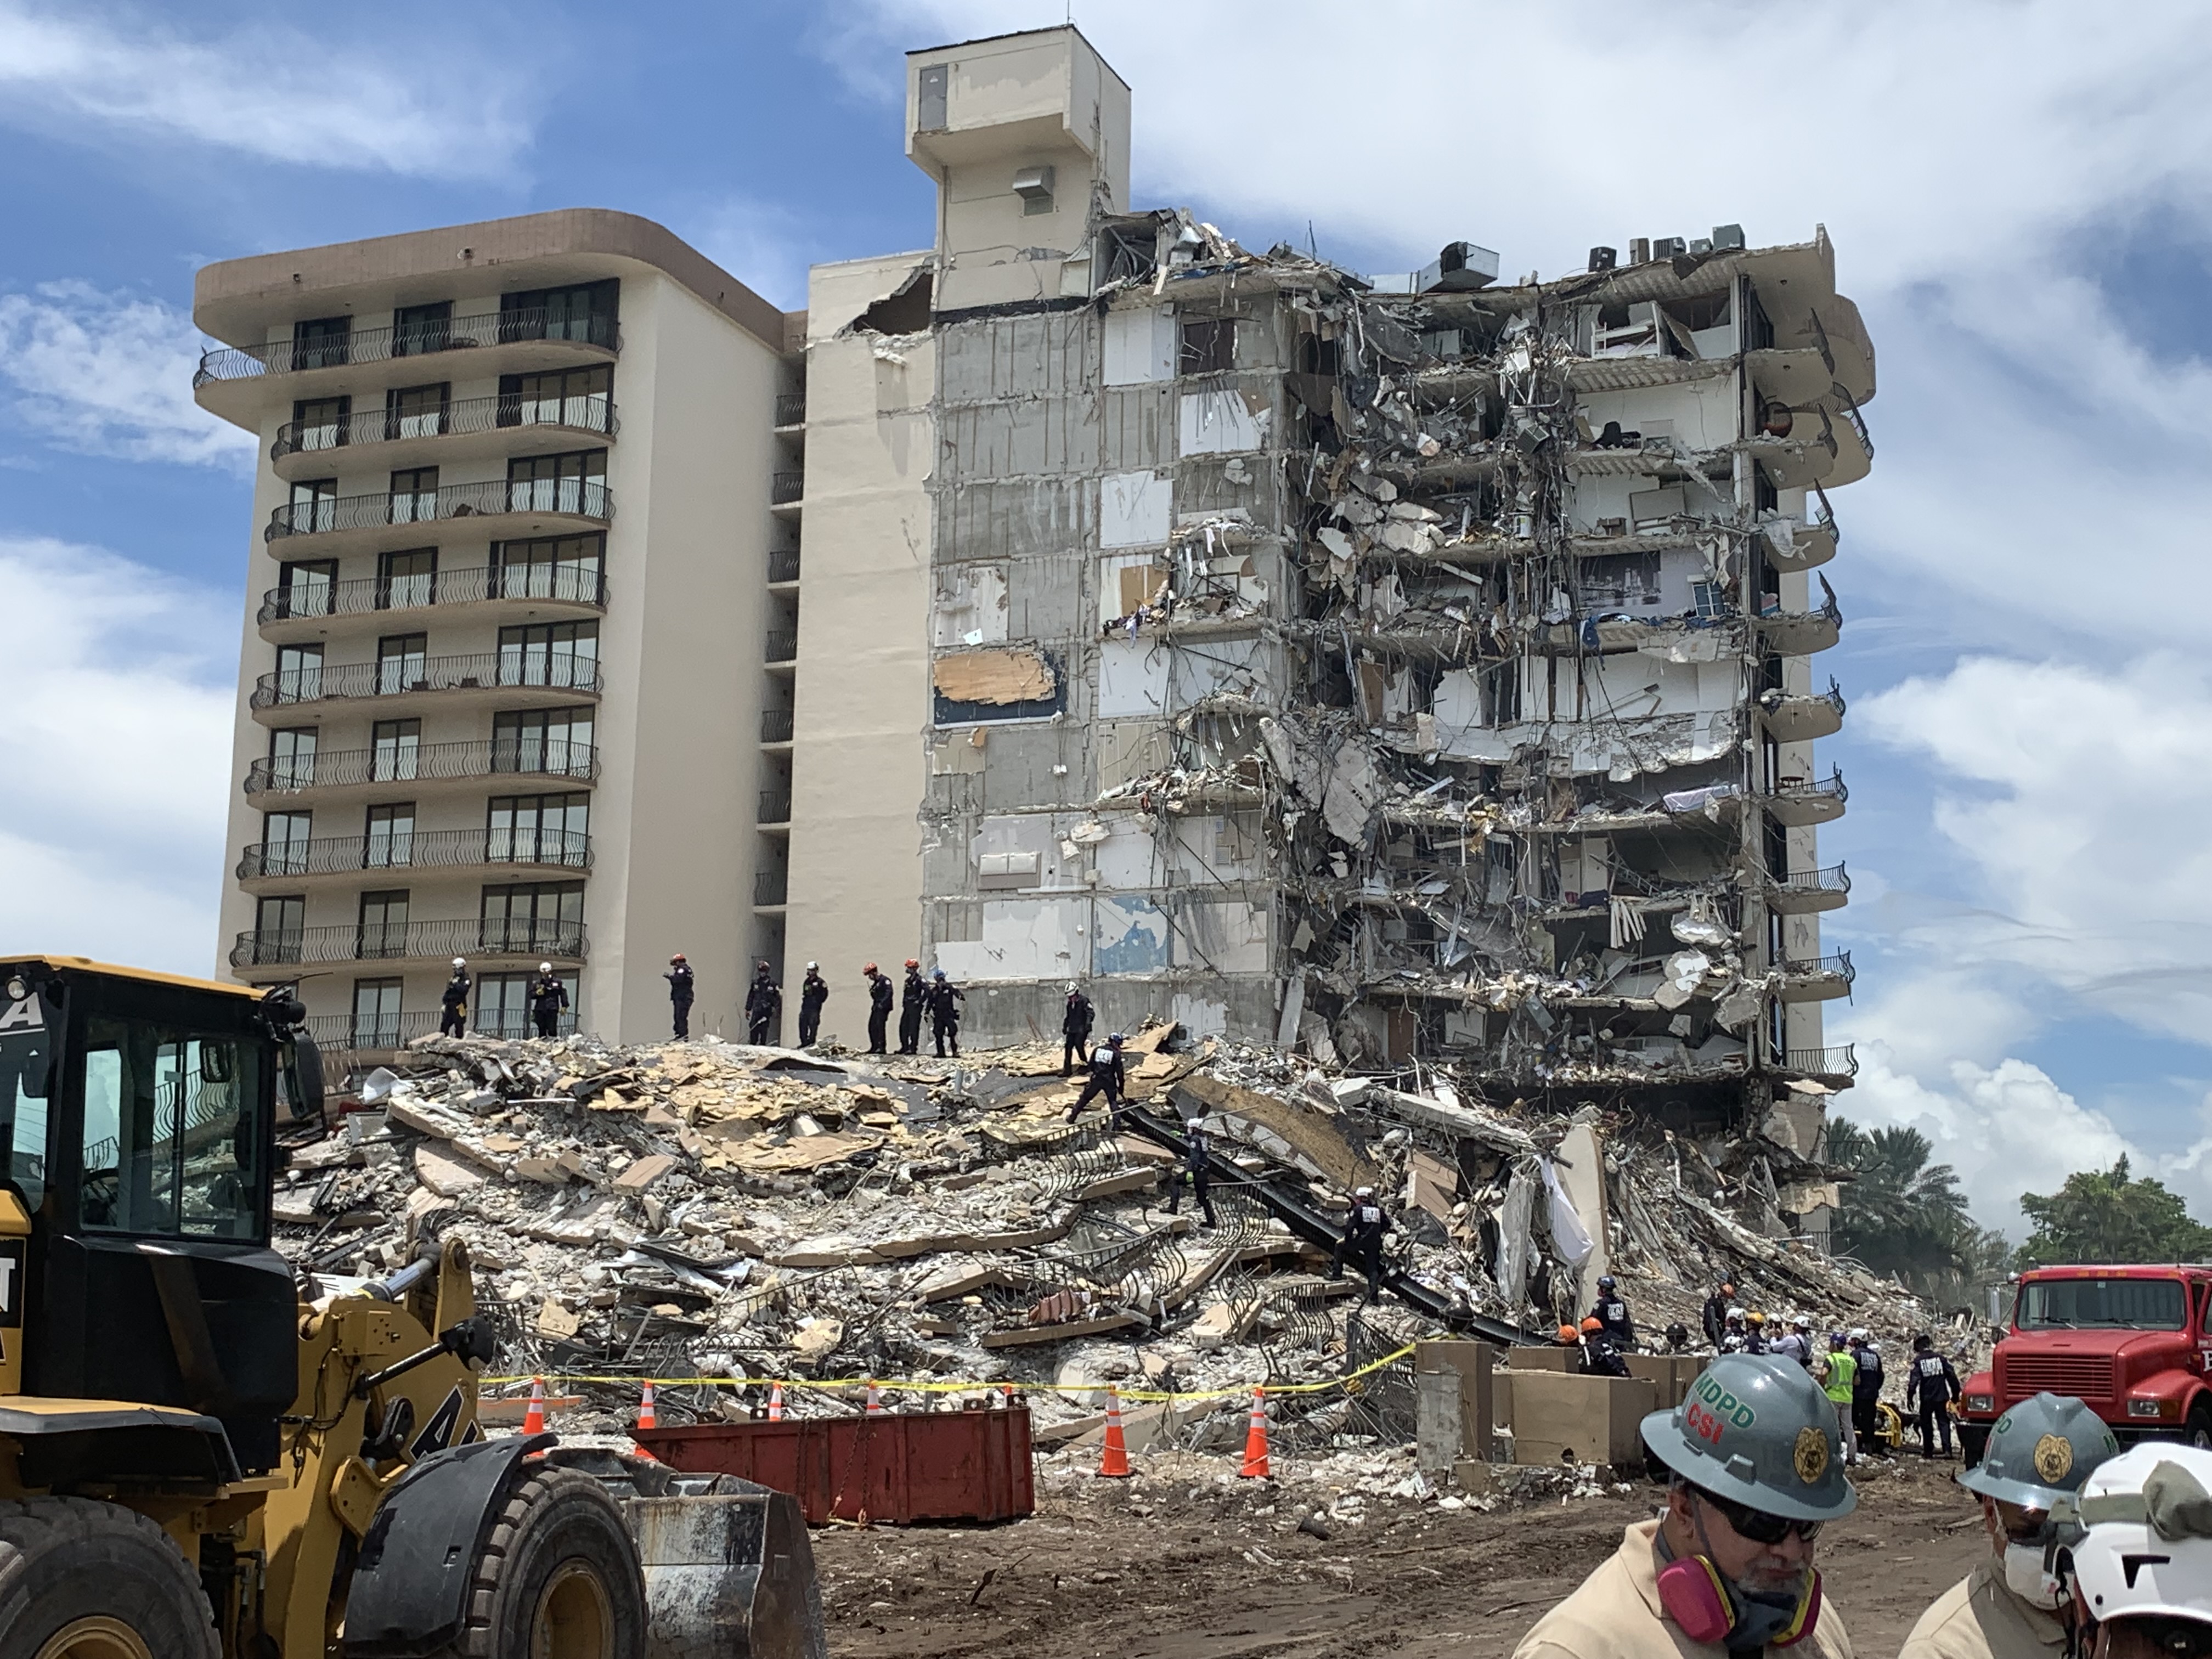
column 1678, row 1338
column 1796, row 1343
column 881, row 995
column 764, row 1004
column 1935, row 1385
column 1075, row 1023
column 1717, row 1311
column 1362, row 1240
column 913, row 997
column 1611, row 1312
column 1755, row 1474
column 1735, row 1331
column 680, row 990
column 454, row 1002
column 548, row 997
column 1836, row 1372
column 2137, row 1569
column 1866, row 1389
column 2008, row 1607
column 1754, row 1338
column 813, row 992
column 1191, row 1170
column 945, row 1000
column 1107, row 1078
column 1601, row 1353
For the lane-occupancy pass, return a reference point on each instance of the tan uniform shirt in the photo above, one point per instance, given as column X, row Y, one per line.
column 1978, row 1618
column 1616, row 1614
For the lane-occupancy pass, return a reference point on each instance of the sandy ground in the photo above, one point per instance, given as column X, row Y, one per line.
column 1173, row 1564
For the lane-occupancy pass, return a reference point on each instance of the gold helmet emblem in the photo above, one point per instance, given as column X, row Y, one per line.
column 1811, row 1456
column 2054, row 1458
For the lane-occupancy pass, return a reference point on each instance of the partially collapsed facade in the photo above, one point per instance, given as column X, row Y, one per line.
column 1422, row 673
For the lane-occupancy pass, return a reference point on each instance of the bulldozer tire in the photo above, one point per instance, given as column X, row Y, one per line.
column 86, row 1580
column 558, row 1579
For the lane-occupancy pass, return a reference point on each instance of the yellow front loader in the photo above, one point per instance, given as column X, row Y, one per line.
column 206, row 1455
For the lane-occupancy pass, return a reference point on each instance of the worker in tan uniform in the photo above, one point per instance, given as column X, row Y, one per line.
column 1757, row 1470
column 2010, row 1607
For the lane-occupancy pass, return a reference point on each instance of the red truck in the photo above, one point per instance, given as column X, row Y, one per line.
column 2133, row 1344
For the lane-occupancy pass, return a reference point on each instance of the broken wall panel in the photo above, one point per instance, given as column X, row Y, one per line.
column 1135, row 510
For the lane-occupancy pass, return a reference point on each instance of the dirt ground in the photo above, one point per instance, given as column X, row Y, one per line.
column 1175, row 1564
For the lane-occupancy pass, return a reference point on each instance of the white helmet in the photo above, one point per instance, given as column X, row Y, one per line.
column 460, row 961
column 813, row 967
column 2148, row 1551
column 1071, row 988
column 1860, row 1334
column 1364, row 1192
column 1734, row 1312
column 544, row 966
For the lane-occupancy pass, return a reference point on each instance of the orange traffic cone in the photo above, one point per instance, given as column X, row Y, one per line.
column 533, row 1419
column 646, row 1419
column 775, row 1402
column 1113, row 1462
column 875, row 1400
column 1256, row 1441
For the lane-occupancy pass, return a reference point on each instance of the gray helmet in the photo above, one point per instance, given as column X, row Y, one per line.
column 2039, row 1451
column 1758, row 1430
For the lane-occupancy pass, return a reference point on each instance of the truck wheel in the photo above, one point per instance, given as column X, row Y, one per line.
column 558, row 1579
column 2198, row 1431
column 85, row 1580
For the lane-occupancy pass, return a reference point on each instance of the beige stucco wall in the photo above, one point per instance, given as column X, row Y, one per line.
column 858, row 769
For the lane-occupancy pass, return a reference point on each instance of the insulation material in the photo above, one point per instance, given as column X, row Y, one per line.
column 1019, row 675
column 1022, row 938
column 1135, row 510
column 970, row 606
column 1227, row 938
column 1130, row 936
column 1570, row 1240
column 1140, row 345
column 1221, row 422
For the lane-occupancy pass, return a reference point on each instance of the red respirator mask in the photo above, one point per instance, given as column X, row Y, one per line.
column 1698, row 1600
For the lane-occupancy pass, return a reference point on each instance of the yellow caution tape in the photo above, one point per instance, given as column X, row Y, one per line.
column 1349, row 1381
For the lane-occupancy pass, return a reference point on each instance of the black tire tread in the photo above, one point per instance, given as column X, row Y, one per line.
column 30, row 1526
column 479, row 1634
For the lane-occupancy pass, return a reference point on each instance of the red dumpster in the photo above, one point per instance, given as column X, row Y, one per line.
column 887, row 1466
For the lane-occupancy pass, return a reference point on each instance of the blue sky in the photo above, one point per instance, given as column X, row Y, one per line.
column 2018, row 203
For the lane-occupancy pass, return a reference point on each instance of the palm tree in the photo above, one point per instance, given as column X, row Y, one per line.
column 1901, row 1214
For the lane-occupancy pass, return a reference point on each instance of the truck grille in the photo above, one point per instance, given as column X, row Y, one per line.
column 2086, row 1376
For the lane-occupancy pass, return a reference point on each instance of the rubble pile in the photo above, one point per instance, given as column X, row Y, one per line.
column 704, row 1209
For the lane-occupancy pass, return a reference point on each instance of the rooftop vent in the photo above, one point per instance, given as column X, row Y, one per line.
column 1033, row 186
column 1461, row 266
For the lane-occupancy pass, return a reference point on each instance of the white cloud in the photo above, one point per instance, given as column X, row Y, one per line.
column 116, row 746
column 762, row 245
column 325, row 99
column 111, row 375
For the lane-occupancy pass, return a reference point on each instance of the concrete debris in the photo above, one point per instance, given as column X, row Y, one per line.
column 712, row 1209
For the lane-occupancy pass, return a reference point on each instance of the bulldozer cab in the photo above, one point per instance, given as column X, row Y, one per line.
column 139, row 1115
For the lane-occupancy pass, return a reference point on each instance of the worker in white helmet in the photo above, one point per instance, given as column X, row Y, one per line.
column 454, row 1002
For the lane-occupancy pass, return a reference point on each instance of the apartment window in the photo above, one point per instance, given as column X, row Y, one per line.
column 303, row 588
column 1765, row 497
column 292, row 756
column 930, row 98
column 382, row 930
column 418, row 329
column 535, row 916
column 574, row 396
column 279, row 928
column 415, row 495
column 553, row 741
column 1209, row 346
column 401, row 660
column 416, row 412
column 407, row 579
column 562, row 567
column 320, row 422
column 388, row 838
column 322, row 342
column 565, row 654
column 376, row 1013
column 395, row 751
column 537, row 829
column 585, row 313
column 313, row 506
column 284, row 837
column 298, row 672
column 574, row 483
column 503, row 1005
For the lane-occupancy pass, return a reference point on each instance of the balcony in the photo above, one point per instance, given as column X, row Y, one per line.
column 423, row 849
column 1809, row 892
column 498, row 679
column 1819, row 979
column 1801, row 801
column 782, row 645
column 770, row 888
column 353, row 1041
column 1838, row 1064
column 271, row 953
column 347, row 773
column 1795, row 544
column 791, row 408
column 231, row 379
column 1799, row 634
column 500, row 509
column 503, row 425
column 775, row 806
column 782, row 566
column 1801, row 717
column 784, row 489
column 776, row 725
column 289, row 613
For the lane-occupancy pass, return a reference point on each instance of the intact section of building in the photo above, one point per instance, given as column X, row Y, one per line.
column 504, row 686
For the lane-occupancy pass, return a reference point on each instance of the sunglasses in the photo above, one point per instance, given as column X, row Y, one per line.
column 1758, row 1525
